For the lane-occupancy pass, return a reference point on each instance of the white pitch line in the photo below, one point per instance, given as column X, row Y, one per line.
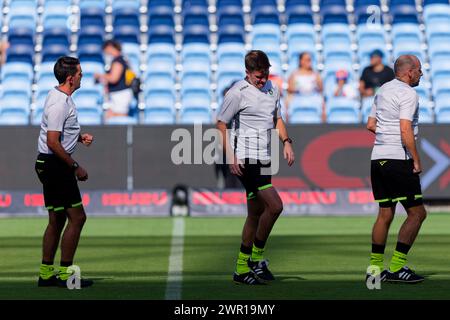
column 175, row 273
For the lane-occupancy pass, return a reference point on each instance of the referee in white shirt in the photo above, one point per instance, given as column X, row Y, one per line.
column 395, row 167
column 58, row 173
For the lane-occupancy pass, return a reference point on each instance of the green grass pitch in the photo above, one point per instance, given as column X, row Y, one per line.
column 312, row 257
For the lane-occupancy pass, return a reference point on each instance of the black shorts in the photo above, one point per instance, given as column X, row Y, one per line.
column 254, row 178
column 393, row 181
column 59, row 183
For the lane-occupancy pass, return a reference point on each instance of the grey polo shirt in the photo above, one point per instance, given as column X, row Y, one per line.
column 253, row 113
column 60, row 114
column 395, row 100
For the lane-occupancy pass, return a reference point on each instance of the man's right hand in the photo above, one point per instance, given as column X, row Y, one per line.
column 417, row 167
column 236, row 166
column 81, row 174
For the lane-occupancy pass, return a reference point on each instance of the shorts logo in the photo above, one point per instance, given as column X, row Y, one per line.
column 382, row 163
column 39, row 171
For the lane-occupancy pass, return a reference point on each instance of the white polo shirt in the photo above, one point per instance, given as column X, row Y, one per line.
column 395, row 100
column 60, row 114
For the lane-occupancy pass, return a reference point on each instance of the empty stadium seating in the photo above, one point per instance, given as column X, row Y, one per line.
column 188, row 52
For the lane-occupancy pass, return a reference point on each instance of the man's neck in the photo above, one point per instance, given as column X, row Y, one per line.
column 65, row 89
column 378, row 67
column 403, row 80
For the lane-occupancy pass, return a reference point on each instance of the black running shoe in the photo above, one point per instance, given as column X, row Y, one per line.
column 404, row 275
column 261, row 270
column 50, row 282
column 246, row 278
column 84, row 283
column 383, row 276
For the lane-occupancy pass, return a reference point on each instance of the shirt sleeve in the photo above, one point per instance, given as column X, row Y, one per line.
column 230, row 107
column 408, row 104
column 56, row 117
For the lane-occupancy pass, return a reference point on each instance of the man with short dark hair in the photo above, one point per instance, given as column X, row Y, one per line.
column 375, row 75
column 395, row 167
column 253, row 107
column 58, row 173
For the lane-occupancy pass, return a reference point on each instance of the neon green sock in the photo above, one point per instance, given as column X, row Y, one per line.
column 398, row 261
column 63, row 273
column 257, row 253
column 377, row 259
column 46, row 271
column 242, row 263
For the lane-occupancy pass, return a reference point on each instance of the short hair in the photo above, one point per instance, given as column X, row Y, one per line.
column 403, row 62
column 256, row 60
column 64, row 67
column 113, row 43
column 377, row 52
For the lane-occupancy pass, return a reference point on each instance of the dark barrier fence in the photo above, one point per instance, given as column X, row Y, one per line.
column 139, row 157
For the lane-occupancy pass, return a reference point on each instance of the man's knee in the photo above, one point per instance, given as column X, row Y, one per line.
column 418, row 213
column 276, row 208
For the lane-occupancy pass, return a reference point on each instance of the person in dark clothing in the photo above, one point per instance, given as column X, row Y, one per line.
column 375, row 75
column 120, row 94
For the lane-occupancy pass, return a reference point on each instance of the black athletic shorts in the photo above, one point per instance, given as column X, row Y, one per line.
column 393, row 181
column 59, row 183
column 252, row 179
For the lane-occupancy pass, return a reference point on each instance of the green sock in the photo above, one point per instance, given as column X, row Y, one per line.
column 63, row 273
column 376, row 259
column 46, row 271
column 242, row 263
column 257, row 253
column 398, row 261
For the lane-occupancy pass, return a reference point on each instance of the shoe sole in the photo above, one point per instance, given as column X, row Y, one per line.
column 403, row 281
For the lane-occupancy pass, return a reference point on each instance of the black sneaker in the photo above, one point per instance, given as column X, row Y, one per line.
column 50, row 282
column 246, row 278
column 383, row 276
column 261, row 270
column 84, row 283
column 404, row 275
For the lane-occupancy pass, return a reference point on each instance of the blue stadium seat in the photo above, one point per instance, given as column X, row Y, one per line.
column 404, row 13
column 92, row 16
column 186, row 4
column 231, row 34
column 56, row 17
column 101, row 4
column 196, row 98
column 366, row 107
column 334, row 14
column 53, row 52
column 161, row 57
column 229, row 3
column 437, row 13
column 230, row 16
column 305, row 109
column 439, row 51
column 160, row 98
column 87, row 98
column 121, row 4
column 437, row 34
column 56, row 36
column 342, row 110
column 195, row 15
column 20, row 53
column 22, row 13
column 21, row 36
column 265, row 14
column 426, row 114
column 90, row 53
column 369, row 39
column 195, row 34
column 127, row 16
column 160, row 15
column 132, row 53
column 158, row 81
column 161, row 34
column 127, row 34
column 195, row 116
column 299, row 14
column 13, row 117
column 91, row 35
column 159, row 116
column 442, row 107
column 152, row 4
column 17, row 69
column 121, row 120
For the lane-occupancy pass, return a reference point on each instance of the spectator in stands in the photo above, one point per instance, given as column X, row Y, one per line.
column 343, row 88
column 120, row 95
column 375, row 75
column 304, row 81
column 3, row 47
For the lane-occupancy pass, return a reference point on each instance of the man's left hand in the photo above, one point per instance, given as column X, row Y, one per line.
column 86, row 139
column 288, row 153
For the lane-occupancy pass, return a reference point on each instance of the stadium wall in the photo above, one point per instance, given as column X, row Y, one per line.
column 126, row 160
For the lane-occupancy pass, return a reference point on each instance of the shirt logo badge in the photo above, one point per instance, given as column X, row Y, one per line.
column 270, row 92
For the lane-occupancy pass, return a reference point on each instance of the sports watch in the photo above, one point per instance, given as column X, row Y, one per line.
column 287, row 140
